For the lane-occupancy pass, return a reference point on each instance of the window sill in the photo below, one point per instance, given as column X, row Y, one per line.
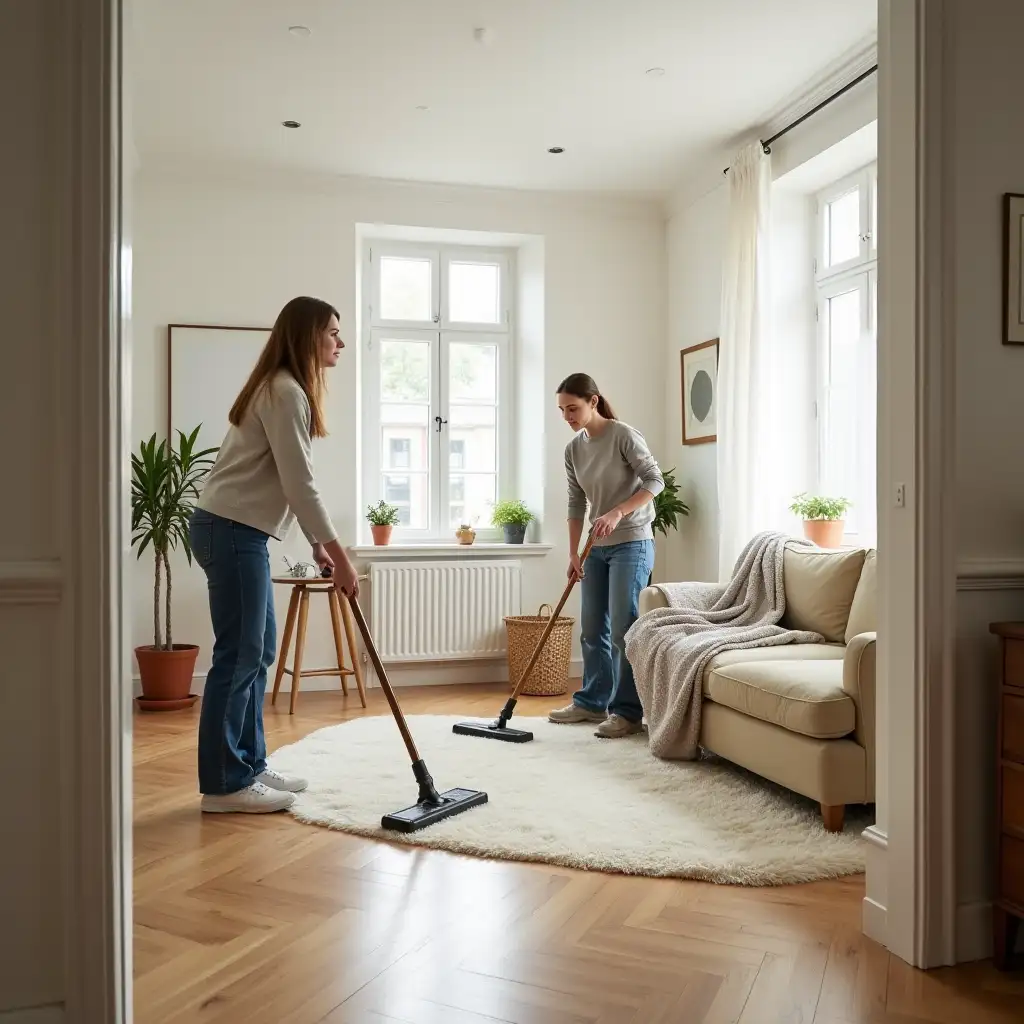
column 449, row 550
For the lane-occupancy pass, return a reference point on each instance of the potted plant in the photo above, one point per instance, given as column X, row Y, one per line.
column 383, row 518
column 668, row 506
column 465, row 534
column 165, row 484
column 513, row 517
column 823, row 518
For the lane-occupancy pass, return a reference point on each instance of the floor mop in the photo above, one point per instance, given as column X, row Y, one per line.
column 431, row 806
column 498, row 729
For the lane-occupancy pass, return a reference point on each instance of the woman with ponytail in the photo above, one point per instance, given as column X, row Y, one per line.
column 609, row 467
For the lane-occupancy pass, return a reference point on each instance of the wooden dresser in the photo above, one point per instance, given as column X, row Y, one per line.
column 1008, row 901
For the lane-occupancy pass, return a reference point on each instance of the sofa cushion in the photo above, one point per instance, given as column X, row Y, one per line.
column 805, row 697
column 784, row 652
column 863, row 611
column 819, row 590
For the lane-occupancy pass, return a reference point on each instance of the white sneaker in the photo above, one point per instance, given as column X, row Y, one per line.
column 615, row 727
column 254, row 799
column 282, row 783
column 573, row 713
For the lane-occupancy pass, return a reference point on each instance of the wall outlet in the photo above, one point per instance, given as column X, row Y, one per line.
column 901, row 495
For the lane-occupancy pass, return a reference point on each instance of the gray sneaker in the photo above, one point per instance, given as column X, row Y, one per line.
column 572, row 714
column 615, row 727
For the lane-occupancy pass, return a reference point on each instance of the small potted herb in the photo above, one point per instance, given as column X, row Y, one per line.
column 513, row 517
column 823, row 518
column 383, row 518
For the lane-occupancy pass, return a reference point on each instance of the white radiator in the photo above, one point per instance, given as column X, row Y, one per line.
column 442, row 611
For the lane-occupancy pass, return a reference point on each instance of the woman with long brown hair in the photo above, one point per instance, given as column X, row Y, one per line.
column 609, row 467
column 260, row 484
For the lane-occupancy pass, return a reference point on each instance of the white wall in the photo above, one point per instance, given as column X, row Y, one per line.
column 985, row 158
column 217, row 247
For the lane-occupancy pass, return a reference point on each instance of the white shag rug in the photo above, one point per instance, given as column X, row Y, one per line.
column 572, row 799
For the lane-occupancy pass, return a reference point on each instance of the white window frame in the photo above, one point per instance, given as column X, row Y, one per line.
column 440, row 332
column 831, row 281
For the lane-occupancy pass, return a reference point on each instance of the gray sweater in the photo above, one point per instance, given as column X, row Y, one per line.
column 263, row 476
column 605, row 471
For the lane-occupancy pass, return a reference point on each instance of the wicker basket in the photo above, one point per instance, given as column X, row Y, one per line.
column 550, row 676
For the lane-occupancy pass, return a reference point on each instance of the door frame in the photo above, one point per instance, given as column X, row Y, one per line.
column 910, row 904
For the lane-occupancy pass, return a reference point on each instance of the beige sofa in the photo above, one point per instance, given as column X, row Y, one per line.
column 803, row 715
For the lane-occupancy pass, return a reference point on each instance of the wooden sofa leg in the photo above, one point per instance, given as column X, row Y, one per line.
column 832, row 816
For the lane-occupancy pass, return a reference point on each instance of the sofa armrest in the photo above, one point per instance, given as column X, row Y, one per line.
column 859, row 683
column 651, row 598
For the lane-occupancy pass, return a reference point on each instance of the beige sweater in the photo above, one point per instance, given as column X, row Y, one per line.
column 263, row 476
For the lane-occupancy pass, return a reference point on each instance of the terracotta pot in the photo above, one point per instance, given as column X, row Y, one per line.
column 167, row 675
column 465, row 535
column 381, row 535
column 826, row 533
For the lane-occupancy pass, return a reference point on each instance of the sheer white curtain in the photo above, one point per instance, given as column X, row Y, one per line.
column 744, row 368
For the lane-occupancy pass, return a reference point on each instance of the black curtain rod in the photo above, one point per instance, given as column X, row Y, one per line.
column 767, row 144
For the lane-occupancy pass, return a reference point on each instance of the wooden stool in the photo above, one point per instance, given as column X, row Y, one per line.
column 340, row 612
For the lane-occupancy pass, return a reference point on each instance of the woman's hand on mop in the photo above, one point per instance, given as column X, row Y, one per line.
column 346, row 580
column 575, row 570
column 322, row 559
column 605, row 524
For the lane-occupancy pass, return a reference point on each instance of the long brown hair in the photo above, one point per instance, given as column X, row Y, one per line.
column 584, row 386
column 293, row 345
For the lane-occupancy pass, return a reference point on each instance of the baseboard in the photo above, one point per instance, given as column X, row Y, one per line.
column 973, row 932
column 53, row 1014
column 450, row 673
column 874, row 920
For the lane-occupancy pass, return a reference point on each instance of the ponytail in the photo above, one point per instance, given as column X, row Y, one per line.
column 584, row 386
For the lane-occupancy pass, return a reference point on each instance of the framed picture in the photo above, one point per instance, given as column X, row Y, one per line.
column 699, row 375
column 207, row 364
column 1013, row 269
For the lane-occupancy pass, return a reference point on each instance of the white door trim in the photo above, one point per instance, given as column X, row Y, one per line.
column 91, row 283
column 917, row 568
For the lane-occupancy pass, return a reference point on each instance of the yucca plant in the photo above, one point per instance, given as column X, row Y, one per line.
column 165, row 486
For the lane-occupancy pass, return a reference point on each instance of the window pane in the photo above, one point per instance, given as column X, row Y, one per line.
column 472, row 372
column 405, row 371
column 470, row 498
column 842, row 229
column 406, row 291
column 404, row 447
column 845, row 393
column 474, row 293
column 409, row 493
column 476, row 446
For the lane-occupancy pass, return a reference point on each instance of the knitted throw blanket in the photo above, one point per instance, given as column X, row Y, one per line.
column 669, row 648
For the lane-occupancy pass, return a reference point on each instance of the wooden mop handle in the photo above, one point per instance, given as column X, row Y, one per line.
column 385, row 683
column 554, row 618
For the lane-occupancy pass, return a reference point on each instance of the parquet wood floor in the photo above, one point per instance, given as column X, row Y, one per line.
column 265, row 921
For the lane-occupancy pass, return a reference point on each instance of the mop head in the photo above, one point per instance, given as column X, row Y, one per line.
column 495, row 730
column 427, row 812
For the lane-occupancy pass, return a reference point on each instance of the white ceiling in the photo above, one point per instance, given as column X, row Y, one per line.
column 214, row 79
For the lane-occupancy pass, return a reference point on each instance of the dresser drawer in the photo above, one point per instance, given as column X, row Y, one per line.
column 1011, row 880
column 1013, row 799
column 1013, row 663
column 1013, row 728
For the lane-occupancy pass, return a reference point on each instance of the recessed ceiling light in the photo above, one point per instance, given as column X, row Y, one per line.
column 291, row 124
column 299, row 30
column 556, row 149
column 655, row 72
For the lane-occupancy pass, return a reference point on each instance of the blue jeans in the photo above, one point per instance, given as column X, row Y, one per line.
column 232, row 748
column 612, row 581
